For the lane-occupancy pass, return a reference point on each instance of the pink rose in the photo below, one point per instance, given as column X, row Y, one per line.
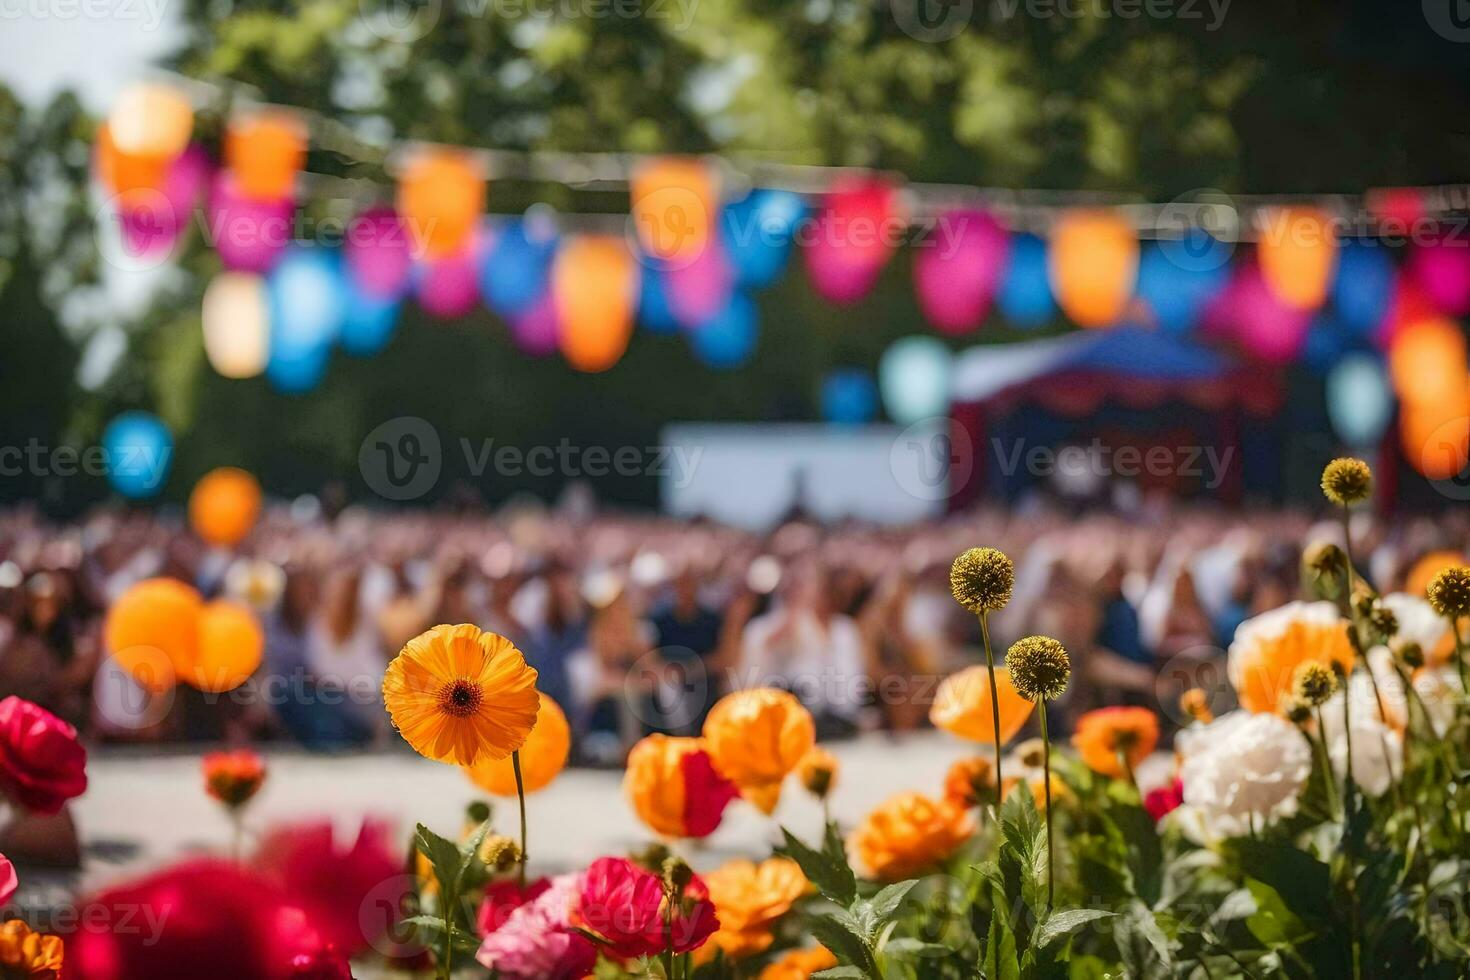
column 1164, row 800
column 8, row 881
column 537, row 940
column 42, row 765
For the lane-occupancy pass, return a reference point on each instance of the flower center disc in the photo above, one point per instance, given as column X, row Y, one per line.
column 460, row 698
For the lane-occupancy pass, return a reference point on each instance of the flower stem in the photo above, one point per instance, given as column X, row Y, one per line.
column 1046, row 787
column 1349, row 801
column 515, row 765
column 1320, row 742
column 995, row 698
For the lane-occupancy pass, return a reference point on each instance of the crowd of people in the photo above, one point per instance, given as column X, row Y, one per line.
column 638, row 623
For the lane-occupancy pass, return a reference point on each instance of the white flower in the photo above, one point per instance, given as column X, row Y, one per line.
column 1439, row 689
column 1378, row 749
column 1418, row 622
column 1241, row 770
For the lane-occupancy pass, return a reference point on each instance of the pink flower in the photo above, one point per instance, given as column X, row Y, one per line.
column 537, row 940
column 625, row 905
column 706, row 794
column 342, row 888
column 504, row 897
column 1163, row 799
column 42, row 765
column 8, row 880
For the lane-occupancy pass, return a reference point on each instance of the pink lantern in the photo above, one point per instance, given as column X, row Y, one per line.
column 1442, row 269
column 699, row 289
column 535, row 329
column 377, row 253
column 855, row 232
column 249, row 235
column 958, row 268
column 185, row 182
column 1267, row 328
column 449, row 288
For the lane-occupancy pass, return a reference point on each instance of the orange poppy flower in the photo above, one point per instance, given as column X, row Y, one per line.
column 970, row 781
column 908, row 833
column 749, row 898
column 542, row 757
column 1268, row 649
column 756, row 737
column 233, row 778
column 28, row 954
column 675, row 788
column 962, row 706
column 800, row 964
column 1105, row 737
column 460, row 695
column 1036, row 782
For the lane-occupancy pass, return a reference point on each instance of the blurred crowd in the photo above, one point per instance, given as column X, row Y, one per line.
column 639, row 623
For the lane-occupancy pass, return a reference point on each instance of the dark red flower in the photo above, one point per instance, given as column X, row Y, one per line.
column 42, row 765
column 504, row 897
column 352, row 894
column 706, row 794
column 1163, row 799
column 202, row 920
column 625, row 905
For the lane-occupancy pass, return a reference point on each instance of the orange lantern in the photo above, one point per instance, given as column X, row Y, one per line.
column 1297, row 251
column 594, row 283
column 229, row 649
column 1435, row 436
column 151, row 121
column 441, row 194
column 152, row 631
column 264, row 151
column 1093, row 266
column 1427, row 361
column 224, row 505
column 674, row 201
column 542, row 757
column 127, row 174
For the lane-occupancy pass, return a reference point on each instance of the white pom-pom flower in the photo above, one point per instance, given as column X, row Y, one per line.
column 1242, row 770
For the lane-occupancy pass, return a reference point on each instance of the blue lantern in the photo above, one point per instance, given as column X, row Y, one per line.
column 849, row 396
column 514, row 274
column 1177, row 293
column 297, row 371
column 756, row 232
column 139, row 450
column 1025, row 293
column 914, row 378
column 307, row 299
column 653, row 301
column 727, row 339
column 1359, row 399
column 369, row 321
column 1363, row 288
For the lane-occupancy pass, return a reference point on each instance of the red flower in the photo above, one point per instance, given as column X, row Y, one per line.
column 42, row 765
column 1163, row 799
column 204, row 918
column 233, row 778
column 325, row 964
column 504, row 897
column 625, row 905
column 343, row 890
column 706, row 794
column 8, row 880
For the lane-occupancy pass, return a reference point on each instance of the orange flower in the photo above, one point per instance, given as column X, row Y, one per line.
column 962, row 706
column 749, row 898
column 817, row 771
column 1107, row 736
column 756, row 737
column 799, row 964
column 460, row 695
column 675, row 788
column 233, row 778
column 908, row 833
column 1268, row 648
column 28, row 955
column 1036, row 782
column 970, row 781
column 542, row 757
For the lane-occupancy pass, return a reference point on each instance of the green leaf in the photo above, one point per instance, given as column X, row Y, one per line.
column 839, row 973
column 1000, row 959
column 887, row 901
column 847, row 945
column 910, row 948
column 445, row 858
column 1305, row 883
column 1064, row 923
column 1272, row 922
column 832, row 875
